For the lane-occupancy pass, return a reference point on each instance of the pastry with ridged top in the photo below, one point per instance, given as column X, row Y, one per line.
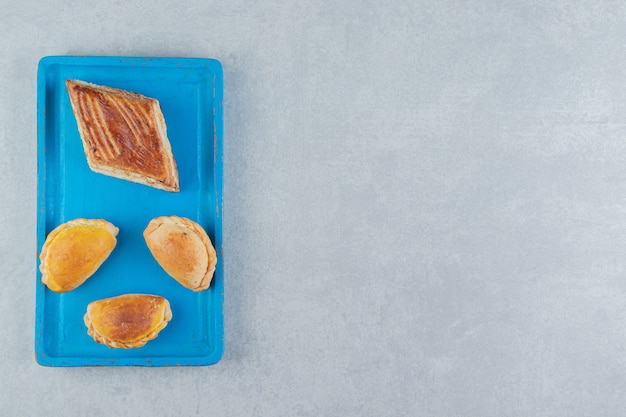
column 124, row 135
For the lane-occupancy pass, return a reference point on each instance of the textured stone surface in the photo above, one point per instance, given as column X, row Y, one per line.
column 425, row 207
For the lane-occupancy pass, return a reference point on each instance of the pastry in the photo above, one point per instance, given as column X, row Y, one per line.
column 127, row 321
column 74, row 251
column 124, row 135
column 183, row 249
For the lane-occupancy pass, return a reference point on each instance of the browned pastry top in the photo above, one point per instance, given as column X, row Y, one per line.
column 120, row 130
column 183, row 249
column 128, row 320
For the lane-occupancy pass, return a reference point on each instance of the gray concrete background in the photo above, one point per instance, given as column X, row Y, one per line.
column 425, row 207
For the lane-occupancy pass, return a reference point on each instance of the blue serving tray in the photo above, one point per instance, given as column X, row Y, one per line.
column 190, row 91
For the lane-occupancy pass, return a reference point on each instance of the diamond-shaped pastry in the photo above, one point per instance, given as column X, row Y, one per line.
column 74, row 251
column 124, row 135
column 183, row 249
column 127, row 321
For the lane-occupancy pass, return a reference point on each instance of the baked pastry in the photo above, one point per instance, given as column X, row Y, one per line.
column 183, row 249
column 124, row 135
column 127, row 321
column 74, row 251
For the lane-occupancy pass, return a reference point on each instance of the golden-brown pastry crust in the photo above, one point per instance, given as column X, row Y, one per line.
column 183, row 249
column 127, row 321
column 74, row 251
column 124, row 134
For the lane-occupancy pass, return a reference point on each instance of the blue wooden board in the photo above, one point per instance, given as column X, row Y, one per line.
column 190, row 91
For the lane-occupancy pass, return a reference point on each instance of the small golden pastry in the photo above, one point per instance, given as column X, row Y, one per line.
column 124, row 135
column 183, row 249
column 127, row 321
column 74, row 251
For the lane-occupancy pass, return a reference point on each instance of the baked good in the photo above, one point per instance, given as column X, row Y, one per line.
column 127, row 321
column 74, row 251
column 183, row 249
column 124, row 135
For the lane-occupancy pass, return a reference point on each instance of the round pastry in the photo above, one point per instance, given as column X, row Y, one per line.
column 74, row 251
column 127, row 321
column 183, row 249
